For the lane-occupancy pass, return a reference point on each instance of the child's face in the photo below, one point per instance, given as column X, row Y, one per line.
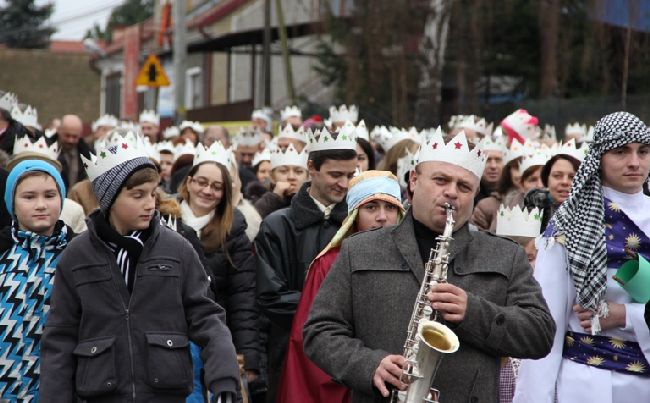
column 37, row 204
column 134, row 208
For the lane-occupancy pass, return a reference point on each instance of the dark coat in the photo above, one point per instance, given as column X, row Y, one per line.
column 234, row 286
column 270, row 202
column 288, row 241
column 107, row 345
column 8, row 137
column 82, row 148
column 363, row 308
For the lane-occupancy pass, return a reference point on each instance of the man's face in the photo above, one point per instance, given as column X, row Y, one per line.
column 294, row 121
column 493, row 167
column 260, row 124
column 626, row 168
column 69, row 134
column 330, row 183
column 150, row 130
column 245, row 154
column 435, row 183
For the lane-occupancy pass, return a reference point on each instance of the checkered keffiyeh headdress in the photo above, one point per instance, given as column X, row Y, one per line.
column 580, row 219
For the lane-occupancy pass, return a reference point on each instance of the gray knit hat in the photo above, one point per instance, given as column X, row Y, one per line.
column 108, row 185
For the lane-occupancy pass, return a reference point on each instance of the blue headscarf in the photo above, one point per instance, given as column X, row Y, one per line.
column 29, row 166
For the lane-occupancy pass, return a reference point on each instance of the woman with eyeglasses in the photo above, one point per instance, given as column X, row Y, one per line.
column 207, row 206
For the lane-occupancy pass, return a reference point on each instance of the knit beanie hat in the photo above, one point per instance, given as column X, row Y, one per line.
column 108, row 185
column 29, row 166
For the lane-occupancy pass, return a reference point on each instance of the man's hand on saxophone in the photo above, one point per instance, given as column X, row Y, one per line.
column 449, row 300
column 389, row 371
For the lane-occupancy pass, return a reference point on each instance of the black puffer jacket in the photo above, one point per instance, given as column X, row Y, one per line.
column 289, row 239
column 234, row 286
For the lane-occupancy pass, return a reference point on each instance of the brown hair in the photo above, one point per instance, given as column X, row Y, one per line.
column 214, row 234
column 142, row 176
column 389, row 162
column 506, row 183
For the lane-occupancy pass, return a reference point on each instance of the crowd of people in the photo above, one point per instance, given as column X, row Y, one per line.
column 282, row 264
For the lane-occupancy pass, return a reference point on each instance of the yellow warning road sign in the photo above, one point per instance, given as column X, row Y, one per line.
column 152, row 74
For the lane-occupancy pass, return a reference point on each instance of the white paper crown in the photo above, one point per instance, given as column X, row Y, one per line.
column 474, row 123
column 27, row 115
column 247, row 137
column 517, row 150
column 149, row 116
column 288, row 133
column 166, row 146
column 589, row 138
column 215, row 153
column 549, row 133
column 24, row 144
column 537, row 158
column 343, row 113
column 455, row 152
column 169, row 222
column 119, row 146
column 289, row 157
column 290, row 112
column 104, row 120
column 151, row 149
column 184, row 148
column 322, row 140
column 195, row 126
column 362, row 132
column 577, row 130
column 8, row 100
column 398, row 135
column 171, row 132
column 569, row 148
column 265, row 155
column 404, row 165
column 490, row 144
column 517, row 222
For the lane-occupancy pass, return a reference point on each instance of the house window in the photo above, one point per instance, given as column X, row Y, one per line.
column 113, row 92
column 193, row 88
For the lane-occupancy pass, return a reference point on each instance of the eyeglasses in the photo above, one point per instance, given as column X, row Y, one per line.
column 203, row 183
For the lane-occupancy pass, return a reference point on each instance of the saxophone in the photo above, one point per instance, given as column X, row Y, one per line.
column 427, row 339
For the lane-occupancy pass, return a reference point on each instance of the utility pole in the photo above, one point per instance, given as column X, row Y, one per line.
column 267, row 53
column 180, row 54
column 288, row 71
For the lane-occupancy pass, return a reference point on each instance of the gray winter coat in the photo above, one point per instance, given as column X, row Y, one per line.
column 363, row 308
column 106, row 345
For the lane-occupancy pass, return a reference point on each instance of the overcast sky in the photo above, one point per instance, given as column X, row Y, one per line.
column 72, row 18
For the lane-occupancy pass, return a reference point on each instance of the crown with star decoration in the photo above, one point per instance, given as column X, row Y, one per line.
column 104, row 120
column 259, row 157
column 490, row 144
column 27, row 115
column 344, row 113
column 24, row 145
column 215, row 153
column 149, row 116
column 290, row 156
column 249, row 136
column 120, row 145
column 538, row 157
column 290, row 111
column 515, row 222
column 321, row 140
column 455, row 152
column 8, row 100
column 288, row 133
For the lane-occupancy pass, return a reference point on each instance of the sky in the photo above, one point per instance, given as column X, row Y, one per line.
column 72, row 18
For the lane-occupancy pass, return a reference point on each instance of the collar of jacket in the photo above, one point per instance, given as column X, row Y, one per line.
column 404, row 237
column 94, row 235
column 306, row 213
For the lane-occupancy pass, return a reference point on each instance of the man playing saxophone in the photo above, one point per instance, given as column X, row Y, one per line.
column 358, row 323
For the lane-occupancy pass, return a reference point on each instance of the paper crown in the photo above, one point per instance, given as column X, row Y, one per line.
column 288, row 133
column 261, row 114
column 517, row 150
column 475, row 123
column 185, row 148
column 169, row 222
column 577, row 130
column 151, row 150
column 195, row 126
column 343, row 113
column 265, row 155
column 24, row 144
column 537, row 158
column 27, row 115
column 548, row 133
column 247, row 137
column 290, row 156
column 362, row 132
column 490, row 144
column 517, row 222
column 171, row 132
column 405, row 165
column 8, row 100
column 520, row 124
column 149, row 116
column 104, row 120
column 569, row 148
column 215, row 153
column 397, row 135
column 166, row 146
column 455, row 152
column 290, row 112
column 589, row 138
column 119, row 146
column 321, row 140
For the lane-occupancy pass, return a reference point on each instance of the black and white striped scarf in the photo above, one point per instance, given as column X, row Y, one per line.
column 579, row 222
